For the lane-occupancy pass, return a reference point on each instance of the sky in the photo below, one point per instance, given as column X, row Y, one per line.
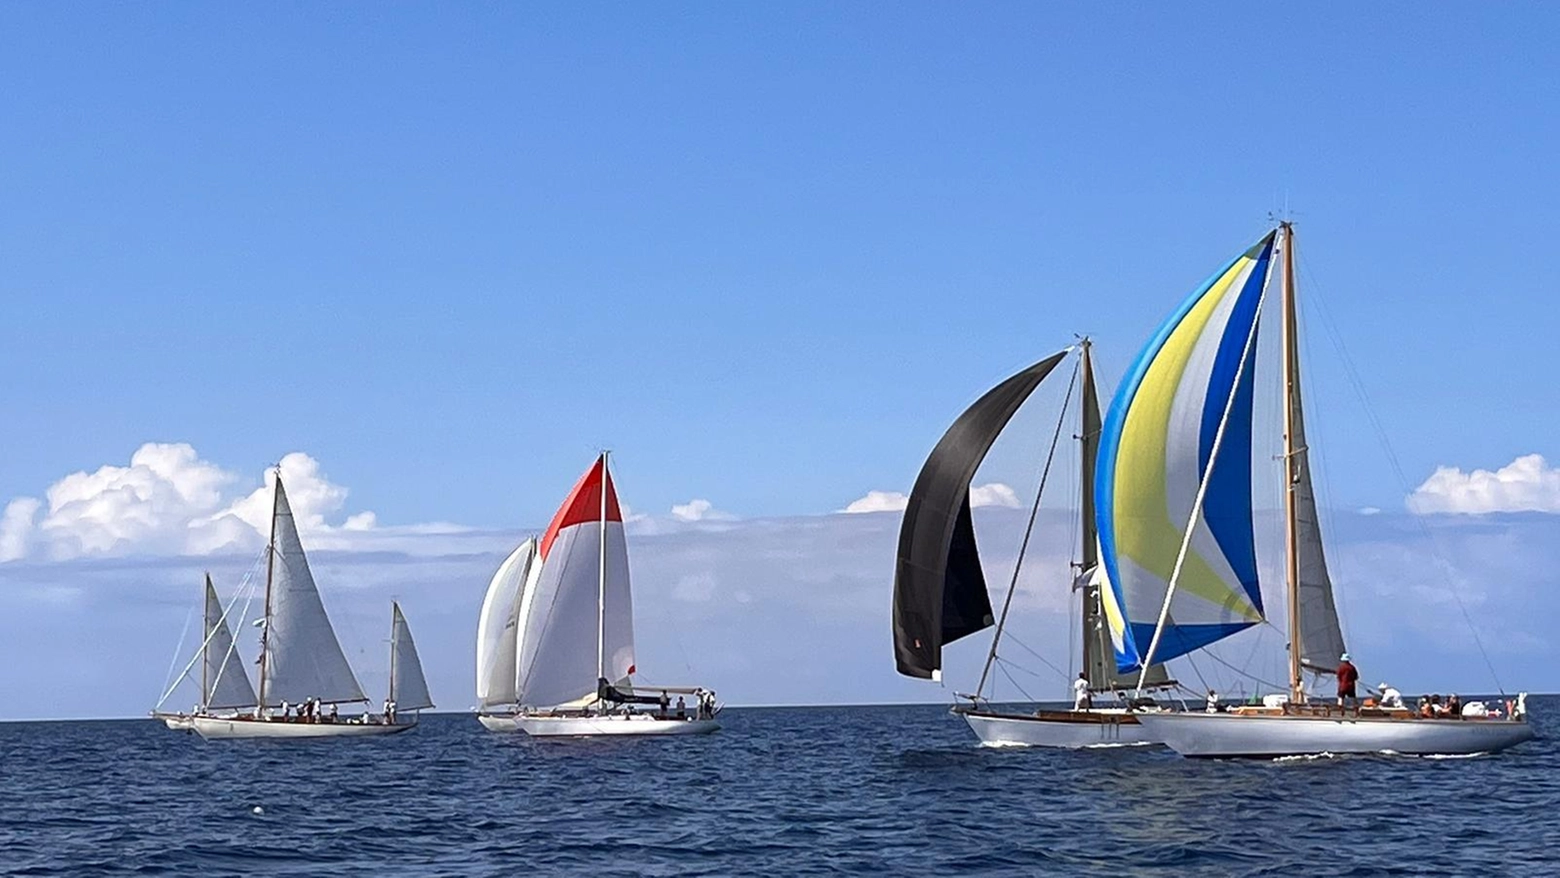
column 437, row 257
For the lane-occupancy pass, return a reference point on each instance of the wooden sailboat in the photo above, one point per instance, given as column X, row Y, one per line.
column 1174, row 488
column 940, row 592
column 301, row 659
column 555, row 640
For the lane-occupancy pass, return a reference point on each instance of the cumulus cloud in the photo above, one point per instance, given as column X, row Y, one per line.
column 993, row 494
column 700, row 510
column 1527, row 484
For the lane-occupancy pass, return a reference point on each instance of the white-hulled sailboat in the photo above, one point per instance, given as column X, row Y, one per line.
column 301, row 659
column 940, row 591
column 555, row 641
column 1174, row 493
column 224, row 683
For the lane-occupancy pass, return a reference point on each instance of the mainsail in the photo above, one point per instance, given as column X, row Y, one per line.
column 224, row 682
column 498, row 629
column 561, row 622
column 408, row 687
column 939, row 589
column 1189, row 390
column 301, row 657
column 1098, row 654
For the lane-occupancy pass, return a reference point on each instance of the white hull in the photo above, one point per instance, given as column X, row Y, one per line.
column 1233, row 734
column 177, row 722
column 212, row 728
column 543, row 726
column 1080, row 729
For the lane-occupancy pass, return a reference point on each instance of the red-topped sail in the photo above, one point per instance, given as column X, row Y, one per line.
column 584, row 504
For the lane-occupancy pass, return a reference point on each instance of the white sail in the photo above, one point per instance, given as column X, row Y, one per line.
column 224, row 680
column 558, row 640
column 408, row 686
column 1321, row 638
column 303, row 659
column 497, row 628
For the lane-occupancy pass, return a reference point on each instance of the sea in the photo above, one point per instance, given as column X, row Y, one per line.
column 882, row 790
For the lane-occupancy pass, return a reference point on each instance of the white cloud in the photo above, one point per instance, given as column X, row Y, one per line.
column 1527, row 484
column 700, row 510
column 16, row 527
column 993, row 494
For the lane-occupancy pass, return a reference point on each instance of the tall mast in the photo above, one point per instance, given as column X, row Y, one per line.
column 1088, row 442
column 1291, row 525
column 395, row 612
column 270, row 568
column 601, row 582
column 205, row 644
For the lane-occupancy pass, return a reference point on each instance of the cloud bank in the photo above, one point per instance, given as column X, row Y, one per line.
column 1527, row 484
column 993, row 494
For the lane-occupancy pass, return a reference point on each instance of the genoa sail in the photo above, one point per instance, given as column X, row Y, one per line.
column 1098, row 654
column 224, row 682
column 558, row 652
column 939, row 590
column 498, row 628
column 408, row 686
column 302, row 657
column 1189, row 390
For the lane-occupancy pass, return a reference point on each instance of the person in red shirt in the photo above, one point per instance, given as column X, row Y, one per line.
column 1348, row 676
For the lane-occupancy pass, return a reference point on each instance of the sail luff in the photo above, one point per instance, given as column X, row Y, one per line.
column 207, row 630
column 270, row 570
column 1291, row 556
column 498, row 627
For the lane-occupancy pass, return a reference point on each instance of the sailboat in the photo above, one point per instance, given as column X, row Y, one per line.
column 224, row 683
column 301, row 659
column 940, row 592
column 555, row 640
column 1174, row 491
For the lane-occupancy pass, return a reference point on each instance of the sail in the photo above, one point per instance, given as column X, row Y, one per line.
column 558, row 636
column 1156, row 450
column 1098, row 655
column 939, row 589
column 303, row 659
column 1321, row 639
column 497, row 629
column 224, row 681
column 408, row 687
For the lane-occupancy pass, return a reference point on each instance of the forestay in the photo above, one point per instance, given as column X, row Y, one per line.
column 559, row 617
column 498, row 631
column 939, row 589
column 408, row 687
column 224, row 680
column 303, row 659
column 1189, row 388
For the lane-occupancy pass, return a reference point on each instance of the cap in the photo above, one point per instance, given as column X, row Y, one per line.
column 1344, row 657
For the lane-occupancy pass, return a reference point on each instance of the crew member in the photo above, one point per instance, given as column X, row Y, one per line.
column 1348, row 678
column 1081, row 698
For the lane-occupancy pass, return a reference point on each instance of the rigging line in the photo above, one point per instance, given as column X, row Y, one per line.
column 178, row 650
column 1042, row 659
column 232, row 650
column 1358, row 385
column 200, row 652
column 1027, row 697
column 1034, row 511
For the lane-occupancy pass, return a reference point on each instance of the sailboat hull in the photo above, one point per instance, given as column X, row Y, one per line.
column 178, row 722
column 542, row 726
column 1272, row 735
column 215, row 728
column 1062, row 729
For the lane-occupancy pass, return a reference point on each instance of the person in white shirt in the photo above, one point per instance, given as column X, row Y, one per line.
column 1390, row 697
column 1081, row 699
column 1213, row 702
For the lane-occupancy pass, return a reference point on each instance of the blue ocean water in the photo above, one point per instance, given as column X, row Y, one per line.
column 900, row 790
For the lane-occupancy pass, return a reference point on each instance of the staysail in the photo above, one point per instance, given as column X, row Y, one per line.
column 302, row 658
column 1320, row 637
column 224, row 681
column 559, row 629
column 939, row 589
column 1188, row 390
column 408, row 687
column 497, row 628
column 1098, row 655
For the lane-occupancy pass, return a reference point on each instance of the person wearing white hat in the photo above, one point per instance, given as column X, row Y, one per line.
column 1348, row 678
column 1390, row 698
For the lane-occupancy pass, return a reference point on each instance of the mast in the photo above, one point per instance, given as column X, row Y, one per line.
column 601, row 582
column 270, row 569
column 1291, row 516
column 205, row 644
column 395, row 612
column 1088, row 557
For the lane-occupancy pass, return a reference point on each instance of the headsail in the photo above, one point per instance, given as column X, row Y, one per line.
column 497, row 629
column 1098, row 655
column 558, row 637
column 303, row 659
column 939, row 589
column 1157, row 448
column 408, row 687
column 224, row 681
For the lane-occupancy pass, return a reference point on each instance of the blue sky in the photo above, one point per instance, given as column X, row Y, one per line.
column 765, row 254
